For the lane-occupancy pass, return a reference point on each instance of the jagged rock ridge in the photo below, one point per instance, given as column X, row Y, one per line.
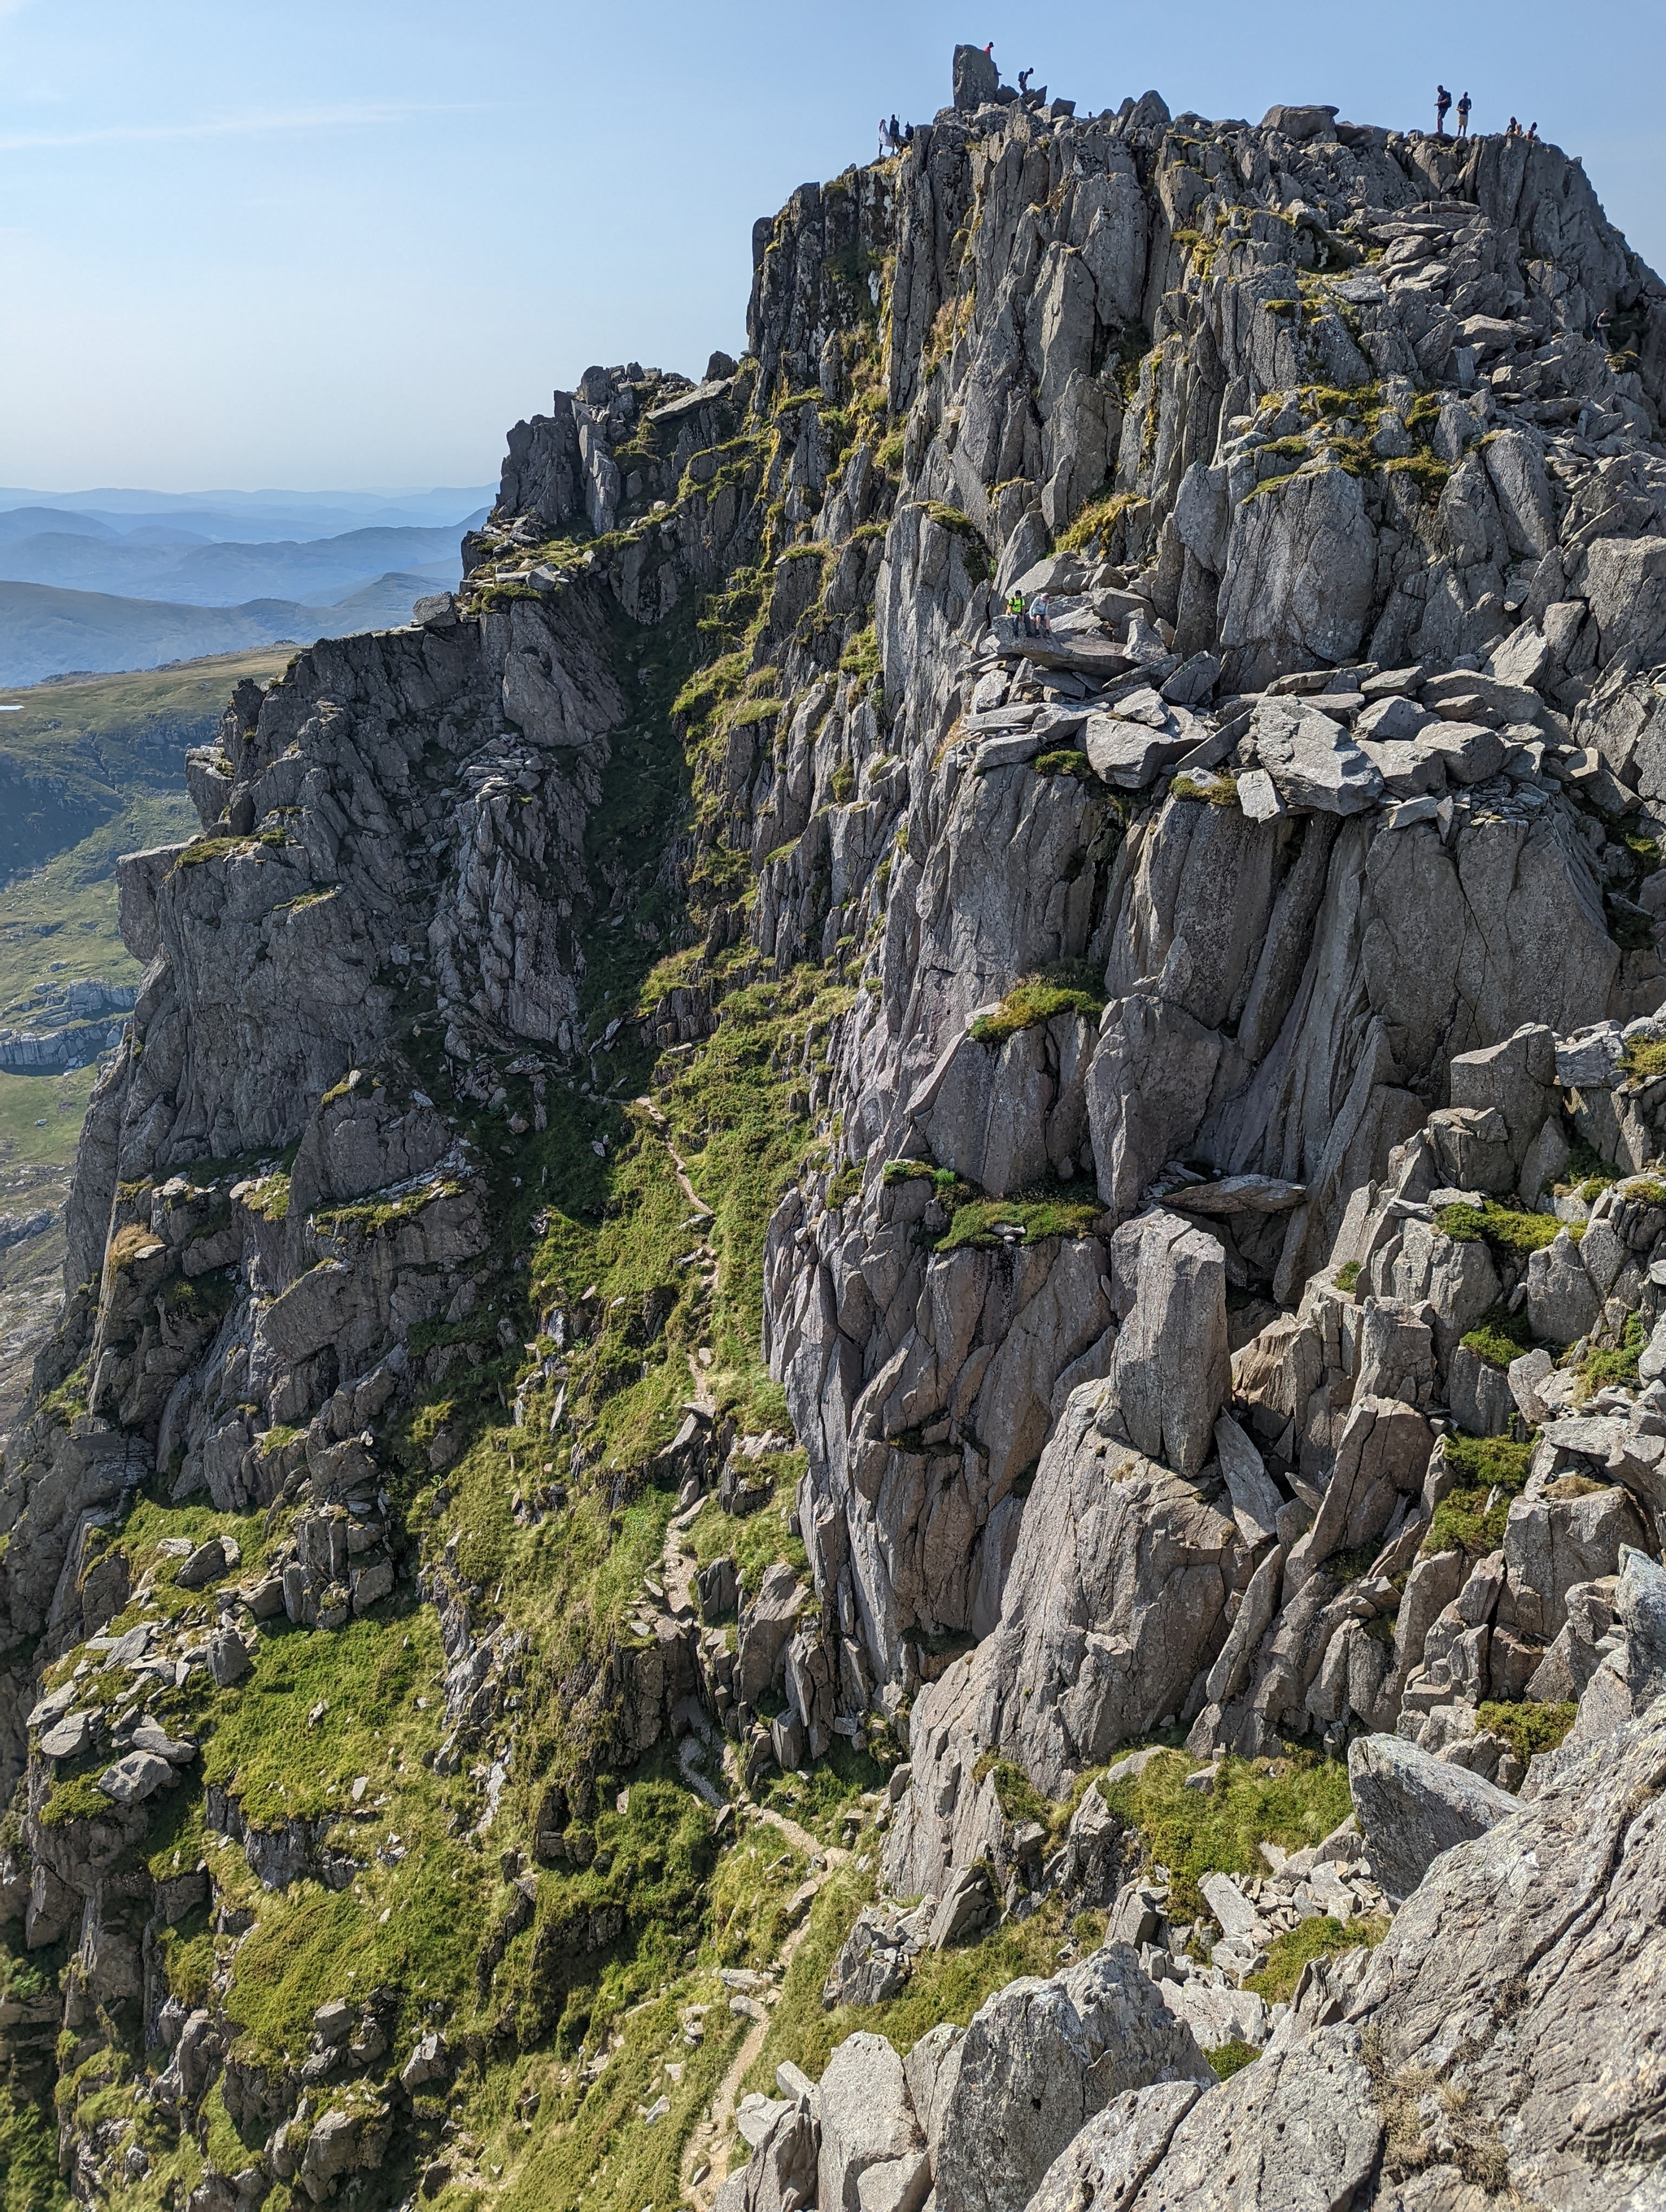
column 1196, row 1031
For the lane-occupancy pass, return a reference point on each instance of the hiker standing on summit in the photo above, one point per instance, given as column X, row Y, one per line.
column 1443, row 103
column 1464, row 116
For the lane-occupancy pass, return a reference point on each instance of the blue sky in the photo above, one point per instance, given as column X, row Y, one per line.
column 248, row 242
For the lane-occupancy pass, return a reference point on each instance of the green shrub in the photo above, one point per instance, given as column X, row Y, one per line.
column 1644, row 1060
column 1506, row 1228
column 1066, row 761
column 860, row 658
column 1097, row 520
column 1347, row 1275
column 1219, row 790
column 1462, row 1520
column 895, row 1171
column 1036, row 999
column 1229, row 2058
column 1318, row 1938
column 1015, row 1793
column 1527, row 1727
column 1499, row 1335
column 845, row 1185
column 1615, row 1363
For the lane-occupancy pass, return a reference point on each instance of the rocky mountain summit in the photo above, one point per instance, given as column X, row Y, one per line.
column 825, row 1338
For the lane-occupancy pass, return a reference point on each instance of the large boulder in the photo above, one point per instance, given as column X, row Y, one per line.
column 976, row 79
column 867, row 2121
column 1100, row 2169
column 1169, row 1372
column 1042, row 2058
column 1298, row 2131
column 1313, row 761
column 1411, row 1807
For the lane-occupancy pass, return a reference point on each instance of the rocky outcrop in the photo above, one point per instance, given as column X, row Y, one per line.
column 1169, row 1084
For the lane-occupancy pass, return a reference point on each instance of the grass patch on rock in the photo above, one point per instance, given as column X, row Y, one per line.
column 1500, row 1336
column 981, row 1222
column 1507, row 1228
column 1317, row 1938
column 1293, row 1801
column 1527, row 1727
column 1490, row 1471
column 1034, row 1000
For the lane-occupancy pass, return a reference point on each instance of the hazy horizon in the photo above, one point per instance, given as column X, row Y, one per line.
column 310, row 245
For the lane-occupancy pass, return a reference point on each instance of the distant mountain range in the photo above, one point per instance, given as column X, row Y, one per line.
column 191, row 569
column 112, row 579
column 45, row 631
column 246, row 516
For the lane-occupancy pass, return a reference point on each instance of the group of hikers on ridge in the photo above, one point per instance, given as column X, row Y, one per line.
column 1033, row 617
column 895, row 136
column 1443, row 108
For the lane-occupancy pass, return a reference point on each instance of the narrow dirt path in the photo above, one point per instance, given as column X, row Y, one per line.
column 661, row 1129
column 709, row 2141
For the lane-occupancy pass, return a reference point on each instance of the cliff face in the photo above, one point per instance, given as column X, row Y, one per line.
column 1042, row 1142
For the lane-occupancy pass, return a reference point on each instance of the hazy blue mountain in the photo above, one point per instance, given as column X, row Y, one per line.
column 45, row 631
column 227, row 574
column 245, row 517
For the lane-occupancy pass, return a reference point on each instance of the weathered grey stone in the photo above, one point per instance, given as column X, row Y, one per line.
column 1412, row 1807
column 1102, row 2165
column 228, row 1658
column 1299, row 2130
column 1313, row 761
column 875, row 1961
column 1383, row 1454
column 766, row 1624
column 205, row 1565
column 1563, row 1304
column 1131, row 754
column 343, row 2141
column 1551, row 1543
column 68, row 1737
column 137, row 1776
column 1039, row 2059
column 1255, row 1498
column 1170, row 1371
column 966, row 1907
column 866, row 2119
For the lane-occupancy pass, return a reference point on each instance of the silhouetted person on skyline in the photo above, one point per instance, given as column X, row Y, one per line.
column 1464, row 116
column 1443, row 102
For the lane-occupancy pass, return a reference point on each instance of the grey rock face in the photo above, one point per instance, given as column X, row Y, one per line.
column 1102, row 2167
column 1038, row 2060
column 867, row 2120
column 1332, row 959
column 1411, row 1807
column 1300, row 2128
column 1117, row 1596
column 1168, row 1370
